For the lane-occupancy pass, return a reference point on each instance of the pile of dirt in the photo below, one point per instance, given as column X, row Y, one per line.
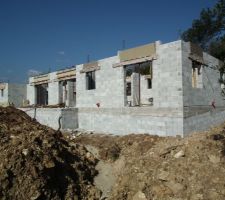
column 110, row 147
column 155, row 168
column 38, row 163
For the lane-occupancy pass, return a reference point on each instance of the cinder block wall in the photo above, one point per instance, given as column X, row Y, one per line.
column 145, row 92
column 53, row 89
column 200, row 99
column 5, row 99
column 16, row 94
column 50, row 117
column 211, row 89
column 167, row 76
column 31, row 92
column 110, row 90
column 165, row 117
column 203, row 122
column 121, row 121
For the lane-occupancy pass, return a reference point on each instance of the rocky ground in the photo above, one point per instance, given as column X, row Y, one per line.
column 40, row 163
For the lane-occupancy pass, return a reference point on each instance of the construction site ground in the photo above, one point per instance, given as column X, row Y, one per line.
column 40, row 163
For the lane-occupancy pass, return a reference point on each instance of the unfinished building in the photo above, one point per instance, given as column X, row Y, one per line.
column 12, row 94
column 164, row 89
column 56, row 88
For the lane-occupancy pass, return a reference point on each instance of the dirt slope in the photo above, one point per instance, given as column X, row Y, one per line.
column 37, row 163
column 40, row 163
column 154, row 168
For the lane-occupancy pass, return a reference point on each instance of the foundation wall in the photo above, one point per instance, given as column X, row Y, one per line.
column 50, row 117
column 163, row 122
column 205, row 121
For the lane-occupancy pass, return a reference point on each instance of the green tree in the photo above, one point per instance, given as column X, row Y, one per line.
column 209, row 30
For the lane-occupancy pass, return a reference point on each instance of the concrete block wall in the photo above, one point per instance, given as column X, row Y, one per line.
column 5, row 99
column 70, row 118
column 131, row 120
column 197, row 99
column 13, row 93
column 167, row 76
column 53, row 89
column 203, row 121
column 210, row 90
column 50, row 117
column 145, row 92
column 110, row 89
column 171, row 91
column 31, row 96
column 71, row 100
column 17, row 94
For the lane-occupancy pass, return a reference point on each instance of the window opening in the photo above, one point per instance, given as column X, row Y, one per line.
column 2, row 92
column 196, row 75
column 90, row 80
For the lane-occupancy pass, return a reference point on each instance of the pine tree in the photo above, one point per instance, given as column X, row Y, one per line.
column 209, row 30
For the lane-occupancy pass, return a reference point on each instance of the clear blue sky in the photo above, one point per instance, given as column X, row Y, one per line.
column 40, row 35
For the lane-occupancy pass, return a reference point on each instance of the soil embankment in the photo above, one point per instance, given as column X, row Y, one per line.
column 40, row 163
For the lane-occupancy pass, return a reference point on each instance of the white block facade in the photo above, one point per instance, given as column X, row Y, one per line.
column 12, row 94
column 109, row 92
column 178, row 108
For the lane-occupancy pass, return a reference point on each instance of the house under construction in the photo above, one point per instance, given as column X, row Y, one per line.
column 12, row 94
column 164, row 89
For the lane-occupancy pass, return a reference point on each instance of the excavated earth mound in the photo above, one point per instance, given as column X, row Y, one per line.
column 37, row 163
column 163, row 168
column 40, row 163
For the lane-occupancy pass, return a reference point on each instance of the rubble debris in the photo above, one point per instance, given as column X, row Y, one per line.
column 139, row 196
column 179, row 154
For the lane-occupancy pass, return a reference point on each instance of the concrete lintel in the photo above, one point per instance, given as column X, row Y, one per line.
column 134, row 61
